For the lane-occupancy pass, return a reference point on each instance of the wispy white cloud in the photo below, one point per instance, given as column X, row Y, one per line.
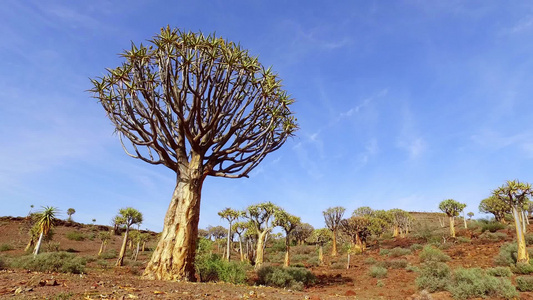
column 371, row 149
column 356, row 109
column 409, row 138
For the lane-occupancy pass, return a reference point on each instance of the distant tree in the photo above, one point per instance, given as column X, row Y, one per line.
column 127, row 217
column 302, row 232
column 94, row 221
column 452, row 209
column 203, row 233
column 239, row 228
column 145, row 237
column 216, row 232
column 384, row 220
column 494, row 205
column 333, row 217
column 70, row 212
column 104, row 236
column 515, row 194
column 401, row 221
column 261, row 217
column 470, row 215
column 320, row 237
column 45, row 221
column 288, row 223
column 359, row 229
column 201, row 106
column 363, row 211
column 229, row 215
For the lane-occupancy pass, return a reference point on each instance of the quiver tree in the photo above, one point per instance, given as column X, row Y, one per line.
column 46, row 219
column 239, row 228
column 333, row 217
column 515, row 194
column 127, row 217
column 494, row 205
column 230, row 215
column 70, row 212
column 452, row 209
column 288, row 223
column 104, row 237
column 261, row 217
column 320, row 237
column 199, row 105
column 470, row 215
column 302, row 232
column 401, row 220
column 358, row 229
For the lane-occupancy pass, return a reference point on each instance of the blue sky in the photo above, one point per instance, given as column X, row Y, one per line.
column 401, row 104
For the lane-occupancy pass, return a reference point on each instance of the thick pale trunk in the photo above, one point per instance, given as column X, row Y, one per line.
column 287, row 260
column 240, row 248
column 395, row 231
column 321, row 255
column 228, row 253
column 137, row 250
column 259, row 253
column 120, row 260
column 101, row 248
column 173, row 258
column 334, row 244
column 144, row 245
column 452, row 227
column 38, row 247
column 464, row 219
column 522, row 255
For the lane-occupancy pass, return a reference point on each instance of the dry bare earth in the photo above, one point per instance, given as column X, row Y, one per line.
column 125, row 283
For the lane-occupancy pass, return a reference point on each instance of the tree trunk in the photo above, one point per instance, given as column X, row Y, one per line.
column 38, row 247
column 228, row 254
column 173, row 258
column 29, row 245
column 240, row 249
column 522, row 255
column 464, row 219
column 101, row 249
column 120, row 260
column 137, row 250
column 396, row 231
column 287, row 260
column 452, row 227
column 144, row 245
column 334, row 244
column 321, row 255
column 259, row 253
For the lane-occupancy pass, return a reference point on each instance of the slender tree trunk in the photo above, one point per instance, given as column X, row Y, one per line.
column 522, row 255
column 259, row 253
column 228, row 254
column 137, row 251
column 240, row 248
column 38, row 247
column 120, row 260
column 287, row 260
column 321, row 255
column 334, row 243
column 101, row 249
column 173, row 258
column 464, row 219
column 452, row 227
column 396, row 231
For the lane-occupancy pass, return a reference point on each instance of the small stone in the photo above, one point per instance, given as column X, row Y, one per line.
column 349, row 293
column 51, row 282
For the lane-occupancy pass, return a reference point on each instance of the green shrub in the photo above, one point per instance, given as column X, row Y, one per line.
column 463, row 240
column 75, row 236
column 432, row 254
column 6, row 247
column 500, row 272
column 415, row 247
column 529, row 239
column 524, row 283
column 313, row 262
column 293, row 278
column 338, row 265
column 370, row 261
column 102, row 263
column 53, row 262
column 410, row 268
column 109, row 254
column 473, row 283
column 507, row 256
column 380, row 283
column 522, row 268
column 397, row 263
column 493, row 236
column 384, row 252
column 397, row 252
column 433, row 276
column 213, row 268
column 377, row 272
column 492, row 227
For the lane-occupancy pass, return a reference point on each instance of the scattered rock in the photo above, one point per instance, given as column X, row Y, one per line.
column 349, row 293
column 51, row 282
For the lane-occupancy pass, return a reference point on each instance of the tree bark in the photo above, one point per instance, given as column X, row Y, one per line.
column 321, row 255
column 228, row 253
column 522, row 255
column 101, row 249
column 334, row 245
column 120, row 260
column 259, row 253
column 287, row 260
column 38, row 247
column 173, row 258
column 452, row 227
column 240, row 249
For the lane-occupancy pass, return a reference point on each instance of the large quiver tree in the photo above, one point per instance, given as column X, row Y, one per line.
column 200, row 106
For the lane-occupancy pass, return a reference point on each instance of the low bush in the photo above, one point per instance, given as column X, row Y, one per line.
column 52, row 262
column 75, row 236
column 397, row 263
column 432, row 254
column 313, row 262
column 492, row 226
column 524, row 283
column 500, row 272
column 475, row 283
column 293, row 278
column 6, row 247
column 102, row 263
column 463, row 240
column 380, row 283
column 507, row 256
column 3, row 264
column 433, row 276
column 415, row 247
column 377, row 272
column 493, row 236
column 370, row 261
column 529, row 239
column 384, row 252
column 397, row 252
column 338, row 265
column 522, row 268
column 213, row 268
column 109, row 254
